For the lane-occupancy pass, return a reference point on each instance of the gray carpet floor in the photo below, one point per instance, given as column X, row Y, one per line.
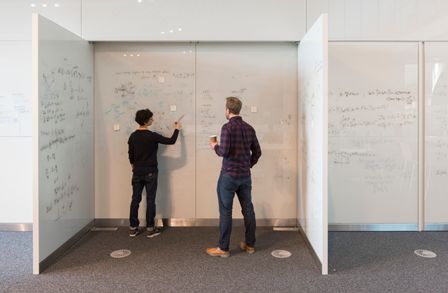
column 176, row 262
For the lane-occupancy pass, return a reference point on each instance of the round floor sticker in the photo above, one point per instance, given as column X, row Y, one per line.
column 120, row 253
column 425, row 253
column 281, row 253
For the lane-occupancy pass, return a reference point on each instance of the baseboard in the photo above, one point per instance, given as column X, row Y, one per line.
column 182, row 222
column 16, row 227
column 371, row 227
column 49, row 260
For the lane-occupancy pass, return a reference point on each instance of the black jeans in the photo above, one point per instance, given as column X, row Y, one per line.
column 138, row 183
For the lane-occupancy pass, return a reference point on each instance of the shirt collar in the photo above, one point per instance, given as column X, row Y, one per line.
column 235, row 118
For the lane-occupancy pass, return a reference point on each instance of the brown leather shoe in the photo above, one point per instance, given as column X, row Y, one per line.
column 216, row 251
column 247, row 248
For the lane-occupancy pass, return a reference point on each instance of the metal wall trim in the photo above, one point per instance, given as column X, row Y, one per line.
column 372, row 227
column 16, row 227
column 436, row 227
column 186, row 222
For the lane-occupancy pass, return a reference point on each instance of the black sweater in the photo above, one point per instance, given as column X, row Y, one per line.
column 143, row 145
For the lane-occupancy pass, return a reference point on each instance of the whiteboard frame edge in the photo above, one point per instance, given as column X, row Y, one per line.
column 421, row 136
column 35, row 139
column 325, row 146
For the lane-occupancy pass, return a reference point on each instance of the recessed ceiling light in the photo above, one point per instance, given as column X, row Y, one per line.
column 33, row 5
column 56, row 5
column 44, row 5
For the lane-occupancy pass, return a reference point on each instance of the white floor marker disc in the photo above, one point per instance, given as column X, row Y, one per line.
column 281, row 253
column 120, row 253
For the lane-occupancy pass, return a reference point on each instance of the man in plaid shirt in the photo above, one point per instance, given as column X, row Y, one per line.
column 240, row 151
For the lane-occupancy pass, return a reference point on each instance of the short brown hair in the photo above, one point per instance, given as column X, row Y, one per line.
column 234, row 105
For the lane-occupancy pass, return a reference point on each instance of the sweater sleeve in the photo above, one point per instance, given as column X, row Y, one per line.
column 167, row 140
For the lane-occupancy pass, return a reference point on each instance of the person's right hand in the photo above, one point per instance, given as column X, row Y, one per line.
column 177, row 125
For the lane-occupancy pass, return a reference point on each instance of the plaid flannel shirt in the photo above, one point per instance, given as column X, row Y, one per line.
column 239, row 148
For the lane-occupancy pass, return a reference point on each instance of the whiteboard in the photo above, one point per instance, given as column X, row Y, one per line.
column 264, row 76
column 313, row 138
column 373, row 133
column 15, row 89
column 63, row 105
column 134, row 76
column 436, row 132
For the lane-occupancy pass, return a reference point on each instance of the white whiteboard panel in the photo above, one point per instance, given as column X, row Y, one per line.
column 15, row 89
column 264, row 76
column 313, row 138
column 64, row 198
column 200, row 20
column 16, row 180
column 15, row 16
column 129, row 77
column 382, row 19
column 436, row 132
column 373, row 133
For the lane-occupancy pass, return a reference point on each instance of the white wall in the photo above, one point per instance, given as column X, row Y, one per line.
column 15, row 16
column 390, row 20
column 212, row 20
column 15, row 132
column 15, row 94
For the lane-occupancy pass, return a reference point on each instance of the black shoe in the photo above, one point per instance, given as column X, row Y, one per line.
column 133, row 232
column 153, row 232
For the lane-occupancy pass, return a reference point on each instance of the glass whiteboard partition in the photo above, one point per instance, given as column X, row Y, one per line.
column 63, row 139
column 130, row 77
column 436, row 135
column 264, row 76
column 373, row 135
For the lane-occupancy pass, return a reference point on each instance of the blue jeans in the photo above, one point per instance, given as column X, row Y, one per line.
column 138, row 183
column 227, row 187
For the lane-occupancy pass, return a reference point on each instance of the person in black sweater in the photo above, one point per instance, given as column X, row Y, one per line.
column 143, row 145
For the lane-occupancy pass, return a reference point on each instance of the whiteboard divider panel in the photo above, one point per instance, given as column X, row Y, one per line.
column 63, row 195
column 313, row 139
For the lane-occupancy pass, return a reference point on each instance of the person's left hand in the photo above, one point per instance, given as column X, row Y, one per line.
column 212, row 145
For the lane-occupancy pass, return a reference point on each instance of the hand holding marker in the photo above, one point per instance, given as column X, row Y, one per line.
column 177, row 124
